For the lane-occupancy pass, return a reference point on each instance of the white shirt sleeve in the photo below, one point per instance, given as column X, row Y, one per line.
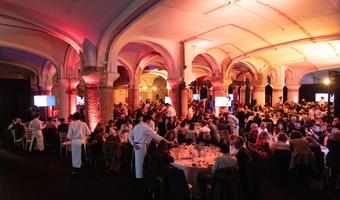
column 130, row 137
column 70, row 133
column 154, row 135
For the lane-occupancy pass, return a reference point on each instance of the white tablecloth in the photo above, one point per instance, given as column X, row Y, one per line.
column 192, row 159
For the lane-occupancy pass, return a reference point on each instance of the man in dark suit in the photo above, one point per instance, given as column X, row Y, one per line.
column 333, row 161
column 247, row 169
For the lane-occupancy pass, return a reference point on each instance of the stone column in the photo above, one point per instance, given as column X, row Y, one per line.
column 47, row 110
column 259, row 94
column 133, row 97
column 218, row 89
column 293, row 93
column 175, row 94
column 68, row 99
column 92, row 105
column 106, row 103
column 242, row 94
column 184, row 101
column 277, row 92
column 235, row 93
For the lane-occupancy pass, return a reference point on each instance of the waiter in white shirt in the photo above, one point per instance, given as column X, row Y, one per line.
column 77, row 133
column 139, row 137
column 36, row 127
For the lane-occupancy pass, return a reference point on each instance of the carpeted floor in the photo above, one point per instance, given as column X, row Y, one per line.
column 47, row 177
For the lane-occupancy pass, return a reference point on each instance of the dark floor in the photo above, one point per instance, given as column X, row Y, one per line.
column 47, row 177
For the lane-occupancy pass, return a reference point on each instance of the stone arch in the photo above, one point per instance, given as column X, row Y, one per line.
column 273, row 73
column 151, row 46
column 236, row 70
column 151, row 59
column 29, row 50
column 127, row 67
column 71, row 64
column 210, row 61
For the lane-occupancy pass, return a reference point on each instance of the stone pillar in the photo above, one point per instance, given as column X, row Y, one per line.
column 259, row 94
column 277, row 93
column 68, row 99
column 184, row 101
column 235, row 93
column 47, row 110
column 218, row 89
column 133, row 97
column 175, row 94
column 106, row 104
column 92, row 100
column 293, row 93
column 242, row 94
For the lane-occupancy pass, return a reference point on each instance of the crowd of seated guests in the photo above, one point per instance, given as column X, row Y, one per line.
column 264, row 131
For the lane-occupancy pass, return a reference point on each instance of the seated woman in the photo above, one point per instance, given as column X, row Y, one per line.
column 279, row 129
column 96, row 144
column 181, row 131
column 281, row 144
column 253, row 133
column 163, row 157
column 205, row 176
column 190, row 134
column 112, row 151
column 171, row 137
column 263, row 145
column 204, row 135
column 300, row 150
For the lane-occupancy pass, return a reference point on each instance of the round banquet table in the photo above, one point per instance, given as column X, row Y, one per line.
column 192, row 159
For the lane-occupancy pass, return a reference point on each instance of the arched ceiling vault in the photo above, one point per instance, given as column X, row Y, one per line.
column 261, row 32
column 264, row 33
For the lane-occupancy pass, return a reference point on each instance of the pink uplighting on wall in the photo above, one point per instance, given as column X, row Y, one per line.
column 93, row 108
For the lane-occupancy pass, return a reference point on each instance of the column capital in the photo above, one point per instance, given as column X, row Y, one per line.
column 218, row 84
column 293, row 87
column 69, row 82
column 92, row 75
column 260, row 88
column 277, row 87
column 175, row 82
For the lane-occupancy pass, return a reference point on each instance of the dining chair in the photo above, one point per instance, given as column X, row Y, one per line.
column 63, row 144
column 28, row 139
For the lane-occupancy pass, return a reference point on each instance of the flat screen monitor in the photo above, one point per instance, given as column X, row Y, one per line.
column 325, row 97
column 196, row 97
column 167, row 100
column 80, row 100
column 221, row 101
column 44, row 100
column 231, row 97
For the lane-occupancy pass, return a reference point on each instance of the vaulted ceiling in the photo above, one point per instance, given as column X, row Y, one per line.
column 298, row 33
column 262, row 32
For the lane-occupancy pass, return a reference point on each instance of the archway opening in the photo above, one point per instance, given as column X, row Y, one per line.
column 243, row 82
column 121, row 86
column 268, row 91
column 153, row 85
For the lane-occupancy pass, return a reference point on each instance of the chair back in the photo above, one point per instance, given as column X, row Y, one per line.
column 28, row 135
column 225, row 184
column 62, row 137
column 174, row 185
column 13, row 134
column 280, row 165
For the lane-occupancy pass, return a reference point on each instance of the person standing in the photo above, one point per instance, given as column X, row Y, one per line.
column 139, row 137
column 36, row 127
column 77, row 133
